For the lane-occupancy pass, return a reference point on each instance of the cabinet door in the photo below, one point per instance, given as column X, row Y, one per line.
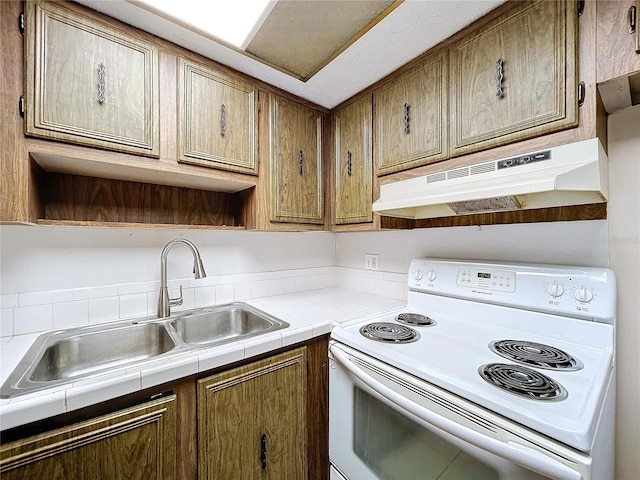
column 617, row 39
column 515, row 77
column 296, row 162
column 409, row 116
column 353, row 163
column 217, row 120
column 135, row 443
column 89, row 84
column 252, row 420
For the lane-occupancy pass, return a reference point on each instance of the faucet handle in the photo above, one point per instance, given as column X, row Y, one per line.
column 174, row 302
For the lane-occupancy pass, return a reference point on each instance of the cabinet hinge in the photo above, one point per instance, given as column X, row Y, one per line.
column 21, row 22
column 581, row 7
column 259, row 106
column 581, row 93
column 21, row 106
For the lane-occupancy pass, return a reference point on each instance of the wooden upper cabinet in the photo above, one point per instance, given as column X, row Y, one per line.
column 218, row 124
column 295, row 141
column 410, row 115
column 252, row 421
column 138, row 443
column 618, row 38
column 88, row 83
column 515, row 78
column 353, row 163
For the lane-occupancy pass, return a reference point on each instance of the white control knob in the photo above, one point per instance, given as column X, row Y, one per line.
column 555, row 289
column 583, row 294
column 418, row 275
column 431, row 275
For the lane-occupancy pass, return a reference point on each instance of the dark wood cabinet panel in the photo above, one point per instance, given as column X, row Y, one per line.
column 252, row 420
column 296, row 188
column 218, row 124
column 515, row 78
column 353, row 163
column 136, row 443
column 88, row 83
column 410, row 117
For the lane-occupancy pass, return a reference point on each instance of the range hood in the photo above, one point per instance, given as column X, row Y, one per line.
column 573, row 174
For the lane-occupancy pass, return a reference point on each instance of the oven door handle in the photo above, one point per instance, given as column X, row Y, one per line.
column 511, row 451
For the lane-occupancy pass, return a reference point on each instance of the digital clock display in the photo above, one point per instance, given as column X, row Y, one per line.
column 484, row 275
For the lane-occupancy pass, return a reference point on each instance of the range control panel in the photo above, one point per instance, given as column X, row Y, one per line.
column 583, row 292
column 500, row 280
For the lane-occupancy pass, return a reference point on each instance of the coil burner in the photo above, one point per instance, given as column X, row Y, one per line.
column 389, row 332
column 522, row 381
column 535, row 354
column 415, row 319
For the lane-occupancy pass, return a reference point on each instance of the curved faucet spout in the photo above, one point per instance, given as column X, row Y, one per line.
column 164, row 301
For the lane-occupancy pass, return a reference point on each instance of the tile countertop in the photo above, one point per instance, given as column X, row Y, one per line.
column 309, row 314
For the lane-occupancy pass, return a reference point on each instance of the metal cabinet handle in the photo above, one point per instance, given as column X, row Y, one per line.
column 499, row 77
column 632, row 17
column 223, row 119
column 101, row 83
column 406, row 119
column 348, row 163
column 263, row 450
column 300, row 161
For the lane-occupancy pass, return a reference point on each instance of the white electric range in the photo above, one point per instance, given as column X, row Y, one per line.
column 498, row 368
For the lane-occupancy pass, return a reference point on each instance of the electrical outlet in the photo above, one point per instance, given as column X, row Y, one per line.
column 370, row 261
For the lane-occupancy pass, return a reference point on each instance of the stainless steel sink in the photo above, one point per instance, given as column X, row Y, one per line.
column 225, row 324
column 70, row 355
column 86, row 353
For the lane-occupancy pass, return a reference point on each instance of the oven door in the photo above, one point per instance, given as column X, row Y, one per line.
column 386, row 424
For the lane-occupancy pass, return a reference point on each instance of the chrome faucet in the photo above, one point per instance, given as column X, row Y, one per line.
column 164, row 301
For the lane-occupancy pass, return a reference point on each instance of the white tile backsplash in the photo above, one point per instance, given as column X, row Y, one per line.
column 204, row 296
column 69, row 314
column 6, row 322
column 224, row 294
column 104, row 309
column 9, row 301
column 90, row 305
column 134, row 305
column 31, row 319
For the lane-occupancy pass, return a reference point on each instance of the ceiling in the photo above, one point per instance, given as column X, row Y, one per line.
column 324, row 51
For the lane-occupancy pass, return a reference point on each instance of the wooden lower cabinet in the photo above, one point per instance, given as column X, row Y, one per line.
column 222, row 426
column 252, row 420
column 135, row 443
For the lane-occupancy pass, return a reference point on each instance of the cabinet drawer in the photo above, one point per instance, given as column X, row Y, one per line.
column 217, row 120
column 515, row 78
column 89, row 84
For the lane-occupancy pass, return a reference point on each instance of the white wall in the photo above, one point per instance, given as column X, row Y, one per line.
column 570, row 243
column 624, row 239
column 48, row 258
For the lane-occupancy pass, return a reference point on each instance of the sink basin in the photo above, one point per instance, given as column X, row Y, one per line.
column 225, row 324
column 81, row 352
column 86, row 353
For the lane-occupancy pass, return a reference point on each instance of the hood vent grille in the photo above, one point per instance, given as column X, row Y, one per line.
column 436, row 177
column 482, row 168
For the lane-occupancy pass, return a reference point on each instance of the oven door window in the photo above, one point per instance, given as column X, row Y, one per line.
column 394, row 447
